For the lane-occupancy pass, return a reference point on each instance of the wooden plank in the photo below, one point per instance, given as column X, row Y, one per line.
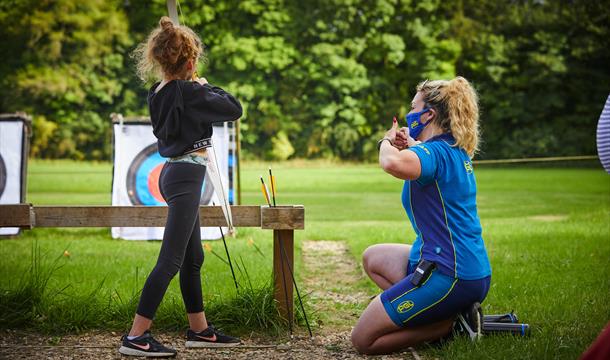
column 136, row 216
column 243, row 216
column 276, row 218
column 282, row 280
column 283, row 217
column 16, row 215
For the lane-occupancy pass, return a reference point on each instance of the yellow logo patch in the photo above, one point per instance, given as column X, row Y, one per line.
column 405, row 306
column 424, row 148
column 414, row 124
column 468, row 167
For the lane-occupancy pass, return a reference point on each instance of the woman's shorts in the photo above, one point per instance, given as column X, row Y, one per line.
column 440, row 297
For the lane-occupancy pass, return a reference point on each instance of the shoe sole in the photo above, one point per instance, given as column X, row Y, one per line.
column 204, row 344
column 133, row 352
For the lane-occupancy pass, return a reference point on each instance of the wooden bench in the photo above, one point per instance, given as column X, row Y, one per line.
column 283, row 220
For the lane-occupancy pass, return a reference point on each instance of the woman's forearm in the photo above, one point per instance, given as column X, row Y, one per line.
column 401, row 164
column 388, row 157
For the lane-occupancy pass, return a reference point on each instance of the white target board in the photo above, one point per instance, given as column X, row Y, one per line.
column 138, row 164
column 12, row 162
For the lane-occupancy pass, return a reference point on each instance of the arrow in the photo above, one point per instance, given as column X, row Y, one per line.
column 273, row 187
column 265, row 191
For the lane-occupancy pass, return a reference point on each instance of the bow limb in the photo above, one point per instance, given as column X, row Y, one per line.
column 216, row 178
column 173, row 11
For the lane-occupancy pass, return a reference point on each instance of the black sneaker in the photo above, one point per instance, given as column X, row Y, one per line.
column 474, row 317
column 470, row 322
column 210, row 337
column 145, row 345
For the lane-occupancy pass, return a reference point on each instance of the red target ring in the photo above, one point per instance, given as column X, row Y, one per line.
column 153, row 183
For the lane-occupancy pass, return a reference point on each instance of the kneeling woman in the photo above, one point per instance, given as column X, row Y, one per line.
column 446, row 270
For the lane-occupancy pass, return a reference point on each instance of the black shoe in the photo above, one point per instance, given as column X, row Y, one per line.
column 145, row 345
column 209, row 337
column 470, row 322
column 474, row 317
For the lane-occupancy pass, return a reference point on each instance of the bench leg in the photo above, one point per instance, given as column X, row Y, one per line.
column 282, row 289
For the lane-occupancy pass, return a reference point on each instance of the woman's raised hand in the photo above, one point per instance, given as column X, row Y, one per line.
column 398, row 137
column 402, row 138
column 391, row 134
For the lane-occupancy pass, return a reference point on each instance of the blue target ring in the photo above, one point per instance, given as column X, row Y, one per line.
column 144, row 192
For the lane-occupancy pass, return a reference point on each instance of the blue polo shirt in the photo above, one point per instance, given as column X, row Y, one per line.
column 441, row 205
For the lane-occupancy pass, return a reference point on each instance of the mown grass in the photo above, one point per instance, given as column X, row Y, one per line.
column 547, row 232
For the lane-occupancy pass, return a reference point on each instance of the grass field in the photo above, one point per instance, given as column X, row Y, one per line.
column 547, row 233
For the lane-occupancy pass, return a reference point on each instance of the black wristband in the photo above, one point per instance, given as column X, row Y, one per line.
column 380, row 141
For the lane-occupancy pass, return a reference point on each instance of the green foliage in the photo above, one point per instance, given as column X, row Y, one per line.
column 65, row 66
column 324, row 77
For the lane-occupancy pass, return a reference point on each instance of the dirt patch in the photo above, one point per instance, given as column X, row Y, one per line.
column 21, row 345
column 331, row 274
column 548, row 218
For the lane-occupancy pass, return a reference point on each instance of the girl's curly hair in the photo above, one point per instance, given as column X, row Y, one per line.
column 166, row 50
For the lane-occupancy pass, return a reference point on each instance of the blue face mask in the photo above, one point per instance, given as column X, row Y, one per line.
column 414, row 123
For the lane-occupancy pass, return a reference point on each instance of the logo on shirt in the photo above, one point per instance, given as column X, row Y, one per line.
column 424, row 149
column 202, row 143
column 405, row 306
column 468, row 167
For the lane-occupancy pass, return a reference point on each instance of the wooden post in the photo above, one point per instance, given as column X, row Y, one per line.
column 281, row 289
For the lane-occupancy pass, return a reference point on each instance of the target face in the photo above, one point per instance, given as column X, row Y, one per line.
column 2, row 176
column 143, row 179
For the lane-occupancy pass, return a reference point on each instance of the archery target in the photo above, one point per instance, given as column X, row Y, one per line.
column 138, row 166
column 13, row 142
column 143, row 179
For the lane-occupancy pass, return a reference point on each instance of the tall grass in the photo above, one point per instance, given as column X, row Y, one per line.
column 33, row 304
column 23, row 303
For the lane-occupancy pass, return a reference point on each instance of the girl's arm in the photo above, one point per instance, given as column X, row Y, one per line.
column 210, row 103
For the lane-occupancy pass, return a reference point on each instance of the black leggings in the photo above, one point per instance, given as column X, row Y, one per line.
column 180, row 184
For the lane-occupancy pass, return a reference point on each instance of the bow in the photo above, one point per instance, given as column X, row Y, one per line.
column 213, row 169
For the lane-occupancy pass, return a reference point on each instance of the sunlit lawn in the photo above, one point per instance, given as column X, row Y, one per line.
column 547, row 232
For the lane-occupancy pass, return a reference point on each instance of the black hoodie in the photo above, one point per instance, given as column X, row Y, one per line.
column 182, row 114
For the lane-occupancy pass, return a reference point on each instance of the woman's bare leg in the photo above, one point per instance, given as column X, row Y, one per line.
column 386, row 264
column 376, row 333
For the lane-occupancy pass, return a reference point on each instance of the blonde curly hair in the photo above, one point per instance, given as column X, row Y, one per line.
column 457, row 107
column 166, row 51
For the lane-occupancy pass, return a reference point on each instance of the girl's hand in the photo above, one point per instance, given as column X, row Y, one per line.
column 201, row 81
